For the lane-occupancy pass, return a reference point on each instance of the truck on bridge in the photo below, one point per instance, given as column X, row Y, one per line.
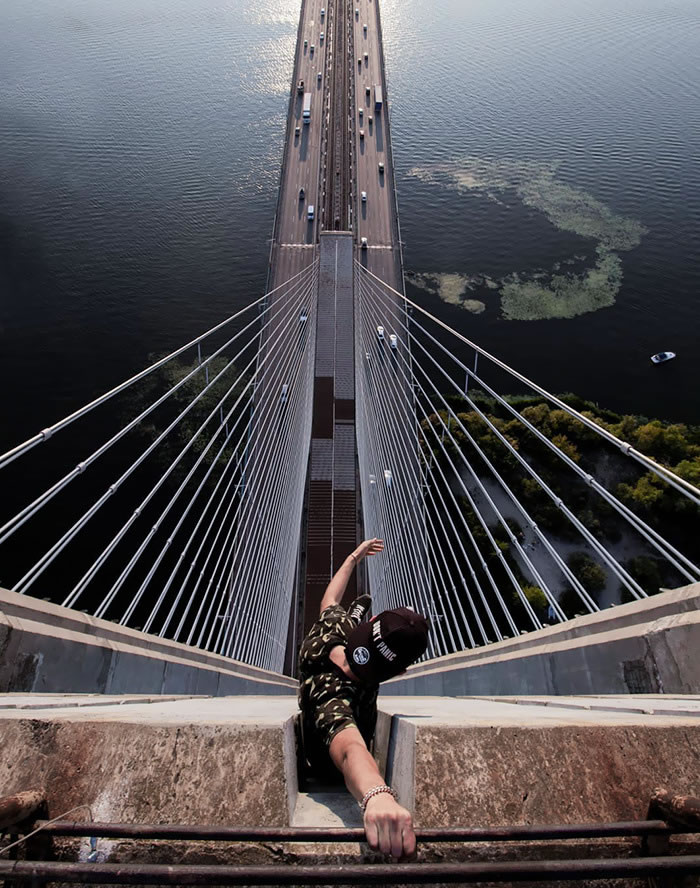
column 306, row 113
column 378, row 96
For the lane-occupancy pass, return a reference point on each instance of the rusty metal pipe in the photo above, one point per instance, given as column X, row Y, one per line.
column 16, row 808
column 305, row 834
column 678, row 810
column 371, row 874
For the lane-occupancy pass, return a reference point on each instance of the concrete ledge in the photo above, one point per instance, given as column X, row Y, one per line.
column 48, row 648
column 222, row 760
column 231, row 760
column 645, row 646
column 487, row 762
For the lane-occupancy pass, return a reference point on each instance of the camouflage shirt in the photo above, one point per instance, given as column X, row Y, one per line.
column 328, row 699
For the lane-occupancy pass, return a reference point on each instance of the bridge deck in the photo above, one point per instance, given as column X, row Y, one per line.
column 335, row 158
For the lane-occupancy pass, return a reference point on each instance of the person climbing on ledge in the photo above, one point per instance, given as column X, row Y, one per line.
column 341, row 664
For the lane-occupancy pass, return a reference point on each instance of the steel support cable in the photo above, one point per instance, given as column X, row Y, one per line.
column 220, row 504
column 307, row 415
column 233, row 624
column 588, row 536
column 231, row 525
column 89, row 575
column 14, row 523
column 449, row 586
column 391, row 519
column 465, row 585
column 422, row 597
column 288, row 559
column 196, row 557
column 259, row 572
column 166, row 587
column 149, row 536
column 37, row 569
column 183, row 516
column 247, row 505
column 273, row 458
column 383, row 429
column 561, row 564
column 395, row 581
column 398, row 483
column 191, row 537
column 439, row 581
column 477, row 513
column 380, row 492
column 192, row 596
column 51, row 430
column 464, row 582
column 524, row 513
column 474, row 545
column 385, row 387
column 383, row 578
column 442, row 585
column 264, row 593
column 668, row 475
column 662, row 545
column 366, row 456
column 381, row 583
column 291, row 557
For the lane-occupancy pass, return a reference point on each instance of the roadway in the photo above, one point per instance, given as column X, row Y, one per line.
column 376, row 218
column 295, row 238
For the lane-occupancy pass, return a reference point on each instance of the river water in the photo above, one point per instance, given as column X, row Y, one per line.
column 547, row 170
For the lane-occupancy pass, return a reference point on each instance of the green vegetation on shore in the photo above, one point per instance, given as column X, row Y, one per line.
column 675, row 445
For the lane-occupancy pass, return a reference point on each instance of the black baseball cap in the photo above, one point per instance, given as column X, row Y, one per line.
column 385, row 646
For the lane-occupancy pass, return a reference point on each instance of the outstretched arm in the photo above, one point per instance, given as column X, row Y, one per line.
column 388, row 826
column 337, row 586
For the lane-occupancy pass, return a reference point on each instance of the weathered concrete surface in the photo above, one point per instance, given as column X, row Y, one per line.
column 52, row 649
column 453, row 762
column 642, row 647
column 485, row 762
column 185, row 761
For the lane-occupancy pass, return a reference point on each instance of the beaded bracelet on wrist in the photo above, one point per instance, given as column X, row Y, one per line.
column 373, row 792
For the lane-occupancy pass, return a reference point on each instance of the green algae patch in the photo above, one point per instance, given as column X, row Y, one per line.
column 537, row 186
column 547, row 294
column 452, row 288
column 566, row 295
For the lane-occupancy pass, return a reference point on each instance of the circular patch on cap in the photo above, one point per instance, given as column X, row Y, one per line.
column 360, row 655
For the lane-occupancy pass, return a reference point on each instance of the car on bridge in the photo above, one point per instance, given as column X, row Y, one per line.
column 310, row 213
column 363, row 196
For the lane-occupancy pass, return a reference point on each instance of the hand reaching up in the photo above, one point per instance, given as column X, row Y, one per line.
column 368, row 547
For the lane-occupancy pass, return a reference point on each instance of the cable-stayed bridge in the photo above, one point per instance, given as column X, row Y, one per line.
column 164, row 547
column 209, row 498
column 185, row 519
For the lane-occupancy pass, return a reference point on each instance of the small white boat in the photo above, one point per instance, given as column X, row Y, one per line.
column 662, row 357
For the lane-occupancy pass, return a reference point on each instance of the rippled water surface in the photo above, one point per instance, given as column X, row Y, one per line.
column 535, row 142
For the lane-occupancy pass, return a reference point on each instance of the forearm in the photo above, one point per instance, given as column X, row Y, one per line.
column 388, row 826
column 360, row 771
column 337, row 586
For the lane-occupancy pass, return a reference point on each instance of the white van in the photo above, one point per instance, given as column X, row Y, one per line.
column 310, row 212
